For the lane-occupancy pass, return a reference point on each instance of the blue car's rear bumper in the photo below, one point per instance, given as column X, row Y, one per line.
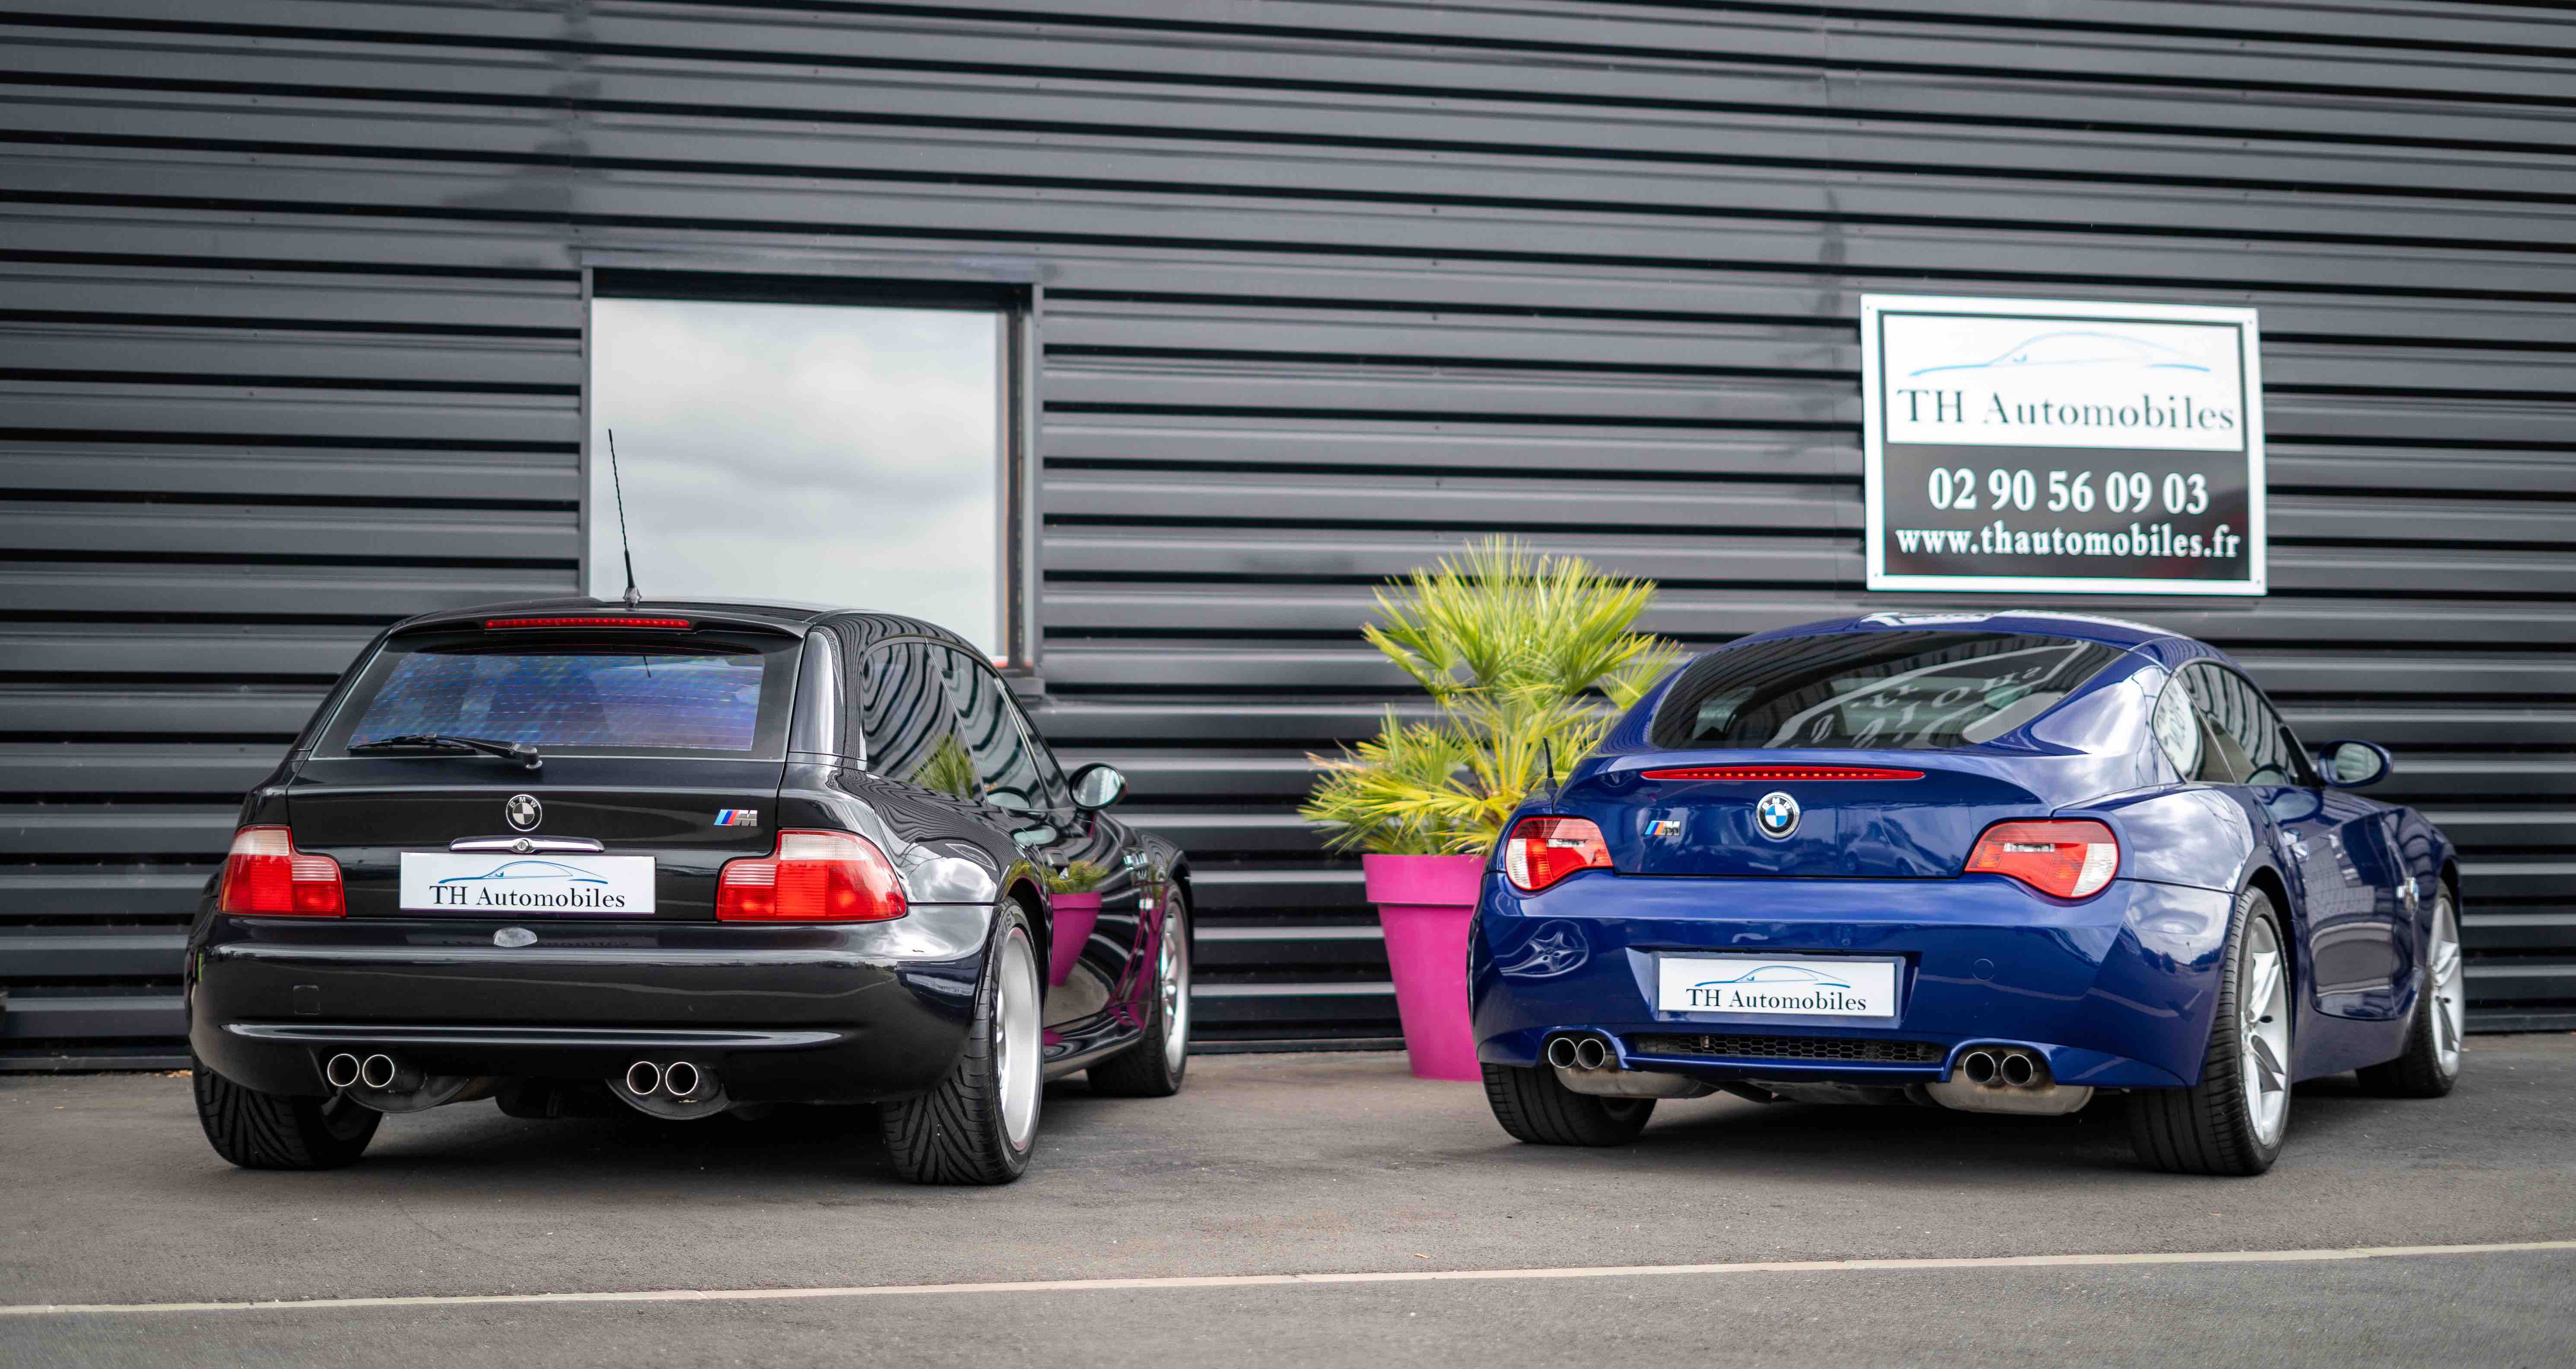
column 2116, row 990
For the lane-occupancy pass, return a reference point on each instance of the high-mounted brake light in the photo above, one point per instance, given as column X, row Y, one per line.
column 591, row 620
column 1781, row 774
column 265, row 876
column 2063, row 858
column 811, row 877
column 1543, row 850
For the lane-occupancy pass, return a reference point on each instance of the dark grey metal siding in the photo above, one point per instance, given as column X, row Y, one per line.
column 290, row 325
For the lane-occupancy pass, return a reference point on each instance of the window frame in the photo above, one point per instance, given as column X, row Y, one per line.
column 1009, row 291
column 2303, row 770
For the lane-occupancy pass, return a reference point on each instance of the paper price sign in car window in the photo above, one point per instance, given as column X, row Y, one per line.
column 2061, row 446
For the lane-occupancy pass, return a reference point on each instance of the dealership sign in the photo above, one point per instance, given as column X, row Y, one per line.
column 2066, row 447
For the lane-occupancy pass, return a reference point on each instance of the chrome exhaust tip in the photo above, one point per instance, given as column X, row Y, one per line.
column 1979, row 1067
column 2019, row 1070
column 1560, row 1052
column 643, row 1078
column 377, row 1071
column 1591, row 1053
column 686, row 1082
column 340, row 1071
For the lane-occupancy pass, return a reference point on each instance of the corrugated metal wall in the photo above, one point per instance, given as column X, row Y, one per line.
column 290, row 326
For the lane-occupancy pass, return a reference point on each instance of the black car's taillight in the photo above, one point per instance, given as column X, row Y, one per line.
column 265, row 876
column 811, row 877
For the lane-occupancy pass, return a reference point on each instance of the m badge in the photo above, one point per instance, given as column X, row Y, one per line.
column 737, row 817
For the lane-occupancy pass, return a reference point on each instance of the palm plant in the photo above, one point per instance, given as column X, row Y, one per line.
column 1515, row 649
column 1077, row 877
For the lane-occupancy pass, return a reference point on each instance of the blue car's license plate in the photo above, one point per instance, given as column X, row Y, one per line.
column 1776, row 986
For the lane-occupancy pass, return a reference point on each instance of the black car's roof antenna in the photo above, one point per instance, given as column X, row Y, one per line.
column 625, row 544
column 1547, row 758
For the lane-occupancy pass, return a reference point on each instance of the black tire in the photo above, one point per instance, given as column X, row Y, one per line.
column 264, row 1131
column 1156, row 1064
column 1535, row 1106
column 958, row 1133
column 2209, row 1127
column 2423, row 1071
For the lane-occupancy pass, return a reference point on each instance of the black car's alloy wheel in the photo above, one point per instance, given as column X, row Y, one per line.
column 1535, row 1106
column 264, row 1131
column 1152, row 1068
column 2233, row 1120
column 979, row 1124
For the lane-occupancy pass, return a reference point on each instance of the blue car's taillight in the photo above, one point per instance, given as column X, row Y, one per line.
column 1543, row 850
column 2065, row 858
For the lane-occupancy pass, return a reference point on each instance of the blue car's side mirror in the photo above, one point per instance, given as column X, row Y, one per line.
column 2353, row 764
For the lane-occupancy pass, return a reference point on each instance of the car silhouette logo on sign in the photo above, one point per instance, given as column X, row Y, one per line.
column 1776, row 814
column 524, row 812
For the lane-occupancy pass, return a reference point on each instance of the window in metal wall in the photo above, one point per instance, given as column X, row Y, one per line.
column 811, row 443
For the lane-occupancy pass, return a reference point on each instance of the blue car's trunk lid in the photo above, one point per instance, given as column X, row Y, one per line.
column 1848, row 814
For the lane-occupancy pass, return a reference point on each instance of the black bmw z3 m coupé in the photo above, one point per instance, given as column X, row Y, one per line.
column 691, row 857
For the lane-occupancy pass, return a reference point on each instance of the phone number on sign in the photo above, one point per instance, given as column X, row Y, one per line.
column 1955, row 487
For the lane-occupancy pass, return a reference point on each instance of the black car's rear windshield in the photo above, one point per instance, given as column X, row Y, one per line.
column 714, row 698
column 1898, row 691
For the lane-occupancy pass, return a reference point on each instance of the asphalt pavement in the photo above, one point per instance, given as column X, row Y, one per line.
column 1306, row 1165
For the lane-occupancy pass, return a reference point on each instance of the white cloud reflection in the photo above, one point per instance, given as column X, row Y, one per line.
column 813, row 453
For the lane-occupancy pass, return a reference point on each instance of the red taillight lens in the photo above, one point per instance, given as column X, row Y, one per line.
column 812, row 877
column 1544, row 850
column 265, row 875
column 2066, row 858
column 1781, row 774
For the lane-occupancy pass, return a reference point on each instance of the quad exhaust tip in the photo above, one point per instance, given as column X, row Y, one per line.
column 2006, row 1066
column 1578, row 1052
column 679, row 1080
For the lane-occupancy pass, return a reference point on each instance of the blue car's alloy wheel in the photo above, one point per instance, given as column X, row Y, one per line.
column 2431, row 1064
column 2233, row 1120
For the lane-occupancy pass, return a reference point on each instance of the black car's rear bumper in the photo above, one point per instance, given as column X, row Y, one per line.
column 812, row 1013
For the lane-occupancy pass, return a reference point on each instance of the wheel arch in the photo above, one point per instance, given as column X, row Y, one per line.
column 1190, row 896
column 2293, row 945
column 1024, row 891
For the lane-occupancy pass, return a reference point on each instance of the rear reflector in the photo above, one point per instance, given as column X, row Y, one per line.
column 1542, row 851
column 2062, row 858
column 265, row 876
column 811, row 877
column 595, row 620
column 1782, row 774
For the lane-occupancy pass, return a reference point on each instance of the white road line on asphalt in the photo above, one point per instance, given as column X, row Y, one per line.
column 2359, row 1252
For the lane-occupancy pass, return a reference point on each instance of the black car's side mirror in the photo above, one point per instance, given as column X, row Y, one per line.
column 2353, row 764
column 1096, row 786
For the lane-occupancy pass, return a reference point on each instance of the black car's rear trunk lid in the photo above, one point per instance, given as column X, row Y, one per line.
column 688, row 816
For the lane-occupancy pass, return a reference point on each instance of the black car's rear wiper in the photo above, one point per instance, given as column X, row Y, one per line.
column 521, row 752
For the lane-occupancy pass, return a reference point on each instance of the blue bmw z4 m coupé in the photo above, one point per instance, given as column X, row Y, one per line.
column 2006, row 862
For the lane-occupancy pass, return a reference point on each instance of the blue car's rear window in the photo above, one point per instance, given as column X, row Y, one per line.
column 708, row 699
column 1898, row 691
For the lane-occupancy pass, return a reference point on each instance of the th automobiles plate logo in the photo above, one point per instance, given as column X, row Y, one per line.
column 1787, row 986
column 507, row 885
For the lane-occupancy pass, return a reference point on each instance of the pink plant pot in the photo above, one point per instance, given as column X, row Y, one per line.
column 1425, row 904
column 1071, row 916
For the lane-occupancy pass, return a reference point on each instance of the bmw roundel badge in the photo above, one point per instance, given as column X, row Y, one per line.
column 1776, row 814
column 524, row 812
